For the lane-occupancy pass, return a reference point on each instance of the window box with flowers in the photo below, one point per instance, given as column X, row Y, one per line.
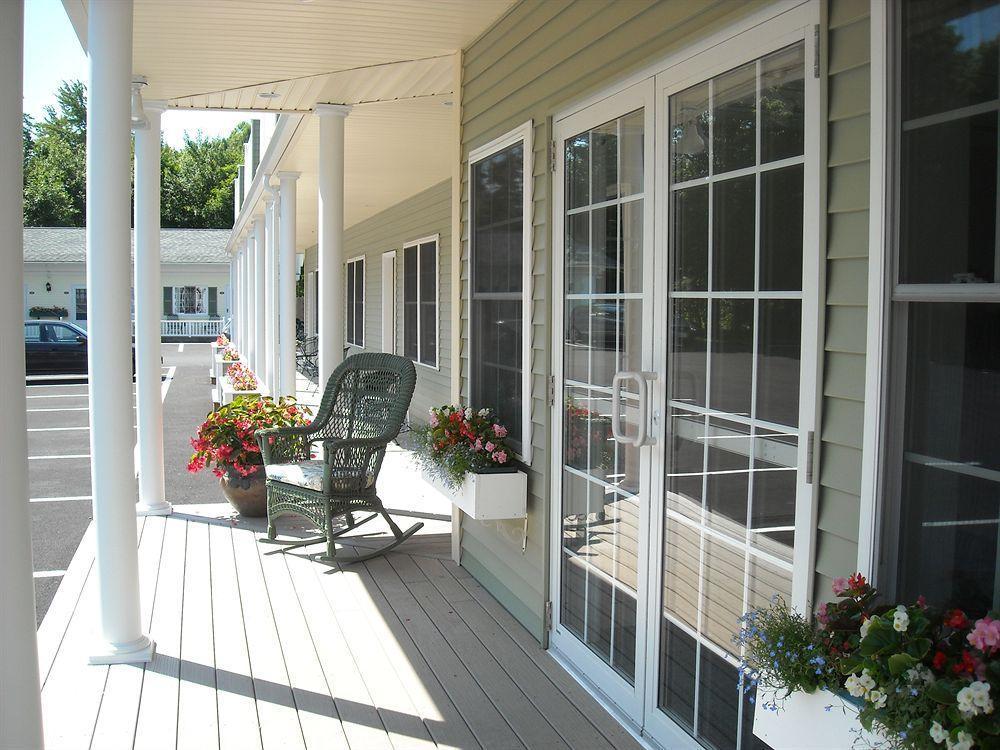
column 464, row 453
column 226, row 443
column 223, row 358
column 871, row 674
column 240, row 381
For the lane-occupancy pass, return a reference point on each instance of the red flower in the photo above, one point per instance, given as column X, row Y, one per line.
column 956, row 619
column 857, row 581
column 967, row 664
column 939, row 659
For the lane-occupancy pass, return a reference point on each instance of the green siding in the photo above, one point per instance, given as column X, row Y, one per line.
column 538, row 58
column 422, row 215
column 842, row 420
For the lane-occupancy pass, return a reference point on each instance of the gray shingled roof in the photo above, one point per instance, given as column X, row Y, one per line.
column 67, row 245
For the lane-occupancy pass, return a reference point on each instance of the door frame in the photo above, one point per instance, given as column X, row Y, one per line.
column 780, row 24
column 627, row 699
column 387, row 282
column 72, row 309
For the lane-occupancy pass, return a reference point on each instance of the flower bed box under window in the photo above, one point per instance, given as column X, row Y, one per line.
column 811, row 721
column 229, row 393
column 489, row 496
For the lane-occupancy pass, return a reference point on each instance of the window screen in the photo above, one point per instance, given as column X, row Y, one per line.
column 496, row 300
column 420, row 302
column 356, row 302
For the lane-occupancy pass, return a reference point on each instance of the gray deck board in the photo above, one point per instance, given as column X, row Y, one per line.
column 255, row 651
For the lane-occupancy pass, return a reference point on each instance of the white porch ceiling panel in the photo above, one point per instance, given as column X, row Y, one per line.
column 374, row 83
column 207, row 50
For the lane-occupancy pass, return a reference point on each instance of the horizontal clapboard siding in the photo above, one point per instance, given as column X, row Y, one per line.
column 844, row 395
column 426, row 213
column 537, row 59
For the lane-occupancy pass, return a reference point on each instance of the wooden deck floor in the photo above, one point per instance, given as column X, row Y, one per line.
column 270, row 651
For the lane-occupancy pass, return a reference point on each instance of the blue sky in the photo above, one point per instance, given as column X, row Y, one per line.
column 52, row 54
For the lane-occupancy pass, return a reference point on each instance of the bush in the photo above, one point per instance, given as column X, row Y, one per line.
column 48, row 312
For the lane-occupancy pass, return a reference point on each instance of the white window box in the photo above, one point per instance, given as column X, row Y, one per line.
column 221, row 367
column 228, row 393
column 489, row 497
column 819, row 720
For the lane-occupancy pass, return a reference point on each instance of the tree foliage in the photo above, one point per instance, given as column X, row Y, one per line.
column 196, row 180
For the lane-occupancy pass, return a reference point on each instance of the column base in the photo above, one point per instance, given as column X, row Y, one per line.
column 139, row 651
column 161, row 508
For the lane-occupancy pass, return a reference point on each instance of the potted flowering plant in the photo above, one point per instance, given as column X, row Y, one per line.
column 466, row 454
column 588, row 437
column 222, row 341
column 916, row 676
column 225, row 443
column 230, row 354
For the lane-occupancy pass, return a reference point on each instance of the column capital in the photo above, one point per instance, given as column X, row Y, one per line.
column 283, row 176
column 154, row 105
column 340, row 110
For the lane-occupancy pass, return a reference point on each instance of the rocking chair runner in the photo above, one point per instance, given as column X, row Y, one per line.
column 362, row 410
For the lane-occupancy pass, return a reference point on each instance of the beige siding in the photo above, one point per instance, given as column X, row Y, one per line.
column 538, row 58
column 425, row 214
column 848, row 37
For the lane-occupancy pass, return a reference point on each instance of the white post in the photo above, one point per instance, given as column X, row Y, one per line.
column 248, row 353
column 241, row 341
column 286, row 284
column 234, row 294
column 148, row 306
column 109, row 33
column 272, row 309
column 331, row 238
column 259, row 300
column 20, row 704
column 270, row 298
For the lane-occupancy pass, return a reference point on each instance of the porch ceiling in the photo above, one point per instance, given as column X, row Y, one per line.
column 221, row 55
column 393, row 150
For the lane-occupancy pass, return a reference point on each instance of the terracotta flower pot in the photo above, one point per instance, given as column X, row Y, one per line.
column 247, row 494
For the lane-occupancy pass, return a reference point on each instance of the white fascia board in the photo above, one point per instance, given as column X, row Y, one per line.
column 76, row 11
column 286, row 131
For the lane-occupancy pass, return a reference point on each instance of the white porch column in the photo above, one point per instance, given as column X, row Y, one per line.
column 148, row 306
column 259, row 300
column 270, row 298
column 232, row 295
column 241, row 279
column 286, row 284
column 331, row 238
column 109, row 32
column 272, row 309
column 248, row 353
column 20, row 705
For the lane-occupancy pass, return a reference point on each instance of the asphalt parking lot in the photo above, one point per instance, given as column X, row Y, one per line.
column 59, row 458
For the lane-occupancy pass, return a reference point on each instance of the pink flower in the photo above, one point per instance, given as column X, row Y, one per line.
column 479, row 444
column 986, row 635
column 499, row 430
column 840, row 586
column 434, row 419
column 822, row 616
column 500, row 457
column 490, row 447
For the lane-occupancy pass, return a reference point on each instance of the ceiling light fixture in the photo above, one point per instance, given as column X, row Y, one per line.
column 268, row 94
column 139, row 119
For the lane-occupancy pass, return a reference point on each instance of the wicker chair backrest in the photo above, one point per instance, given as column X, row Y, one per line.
column 366, row 397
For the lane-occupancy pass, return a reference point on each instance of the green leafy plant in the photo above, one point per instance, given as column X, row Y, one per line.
column 225, row 440
column 459, row 440
column 921, row 677
column 39, row 311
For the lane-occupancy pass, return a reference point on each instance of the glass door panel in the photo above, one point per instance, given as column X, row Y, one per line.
column 731, row 462
column 603, row 327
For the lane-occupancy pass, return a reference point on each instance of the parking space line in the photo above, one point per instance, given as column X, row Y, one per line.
column 49, row 573
column 68, row 455
column 64, row 408
column 62, row 395
column 59, row 499
column 55, row 429
column 180, row 348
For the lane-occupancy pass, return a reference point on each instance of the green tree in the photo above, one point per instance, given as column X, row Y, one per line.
column 196, row 180
column 55, row 176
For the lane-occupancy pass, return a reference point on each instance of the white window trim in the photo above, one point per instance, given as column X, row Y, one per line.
column 872, row 456
column 436, row 239
column 364, row 278
column 72, row 299
column 523, row 133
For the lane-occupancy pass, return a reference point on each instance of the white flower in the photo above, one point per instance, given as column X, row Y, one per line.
column 938, row 732
column 854, row 686
column 975, row 699
column 964, row 742
column 900, row 619
column 877, row 698
column 864, row 628
column 468, row 412
column 866, row 680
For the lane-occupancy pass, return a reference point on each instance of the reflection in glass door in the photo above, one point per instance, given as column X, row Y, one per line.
column 731, row 465
column 604, row 211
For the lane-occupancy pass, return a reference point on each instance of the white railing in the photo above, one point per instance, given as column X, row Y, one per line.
column 193, row 328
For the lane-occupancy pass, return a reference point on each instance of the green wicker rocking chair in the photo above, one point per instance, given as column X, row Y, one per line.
column 362, row 410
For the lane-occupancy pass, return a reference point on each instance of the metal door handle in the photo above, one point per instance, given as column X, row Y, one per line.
column 641, row 379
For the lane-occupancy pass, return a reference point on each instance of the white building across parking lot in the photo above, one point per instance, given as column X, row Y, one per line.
column 194, row 271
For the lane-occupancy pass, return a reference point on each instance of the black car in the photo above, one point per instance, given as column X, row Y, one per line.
column 53, row 347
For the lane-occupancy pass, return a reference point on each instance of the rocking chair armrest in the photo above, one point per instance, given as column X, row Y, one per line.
column 270, row 438
column 335, row 444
